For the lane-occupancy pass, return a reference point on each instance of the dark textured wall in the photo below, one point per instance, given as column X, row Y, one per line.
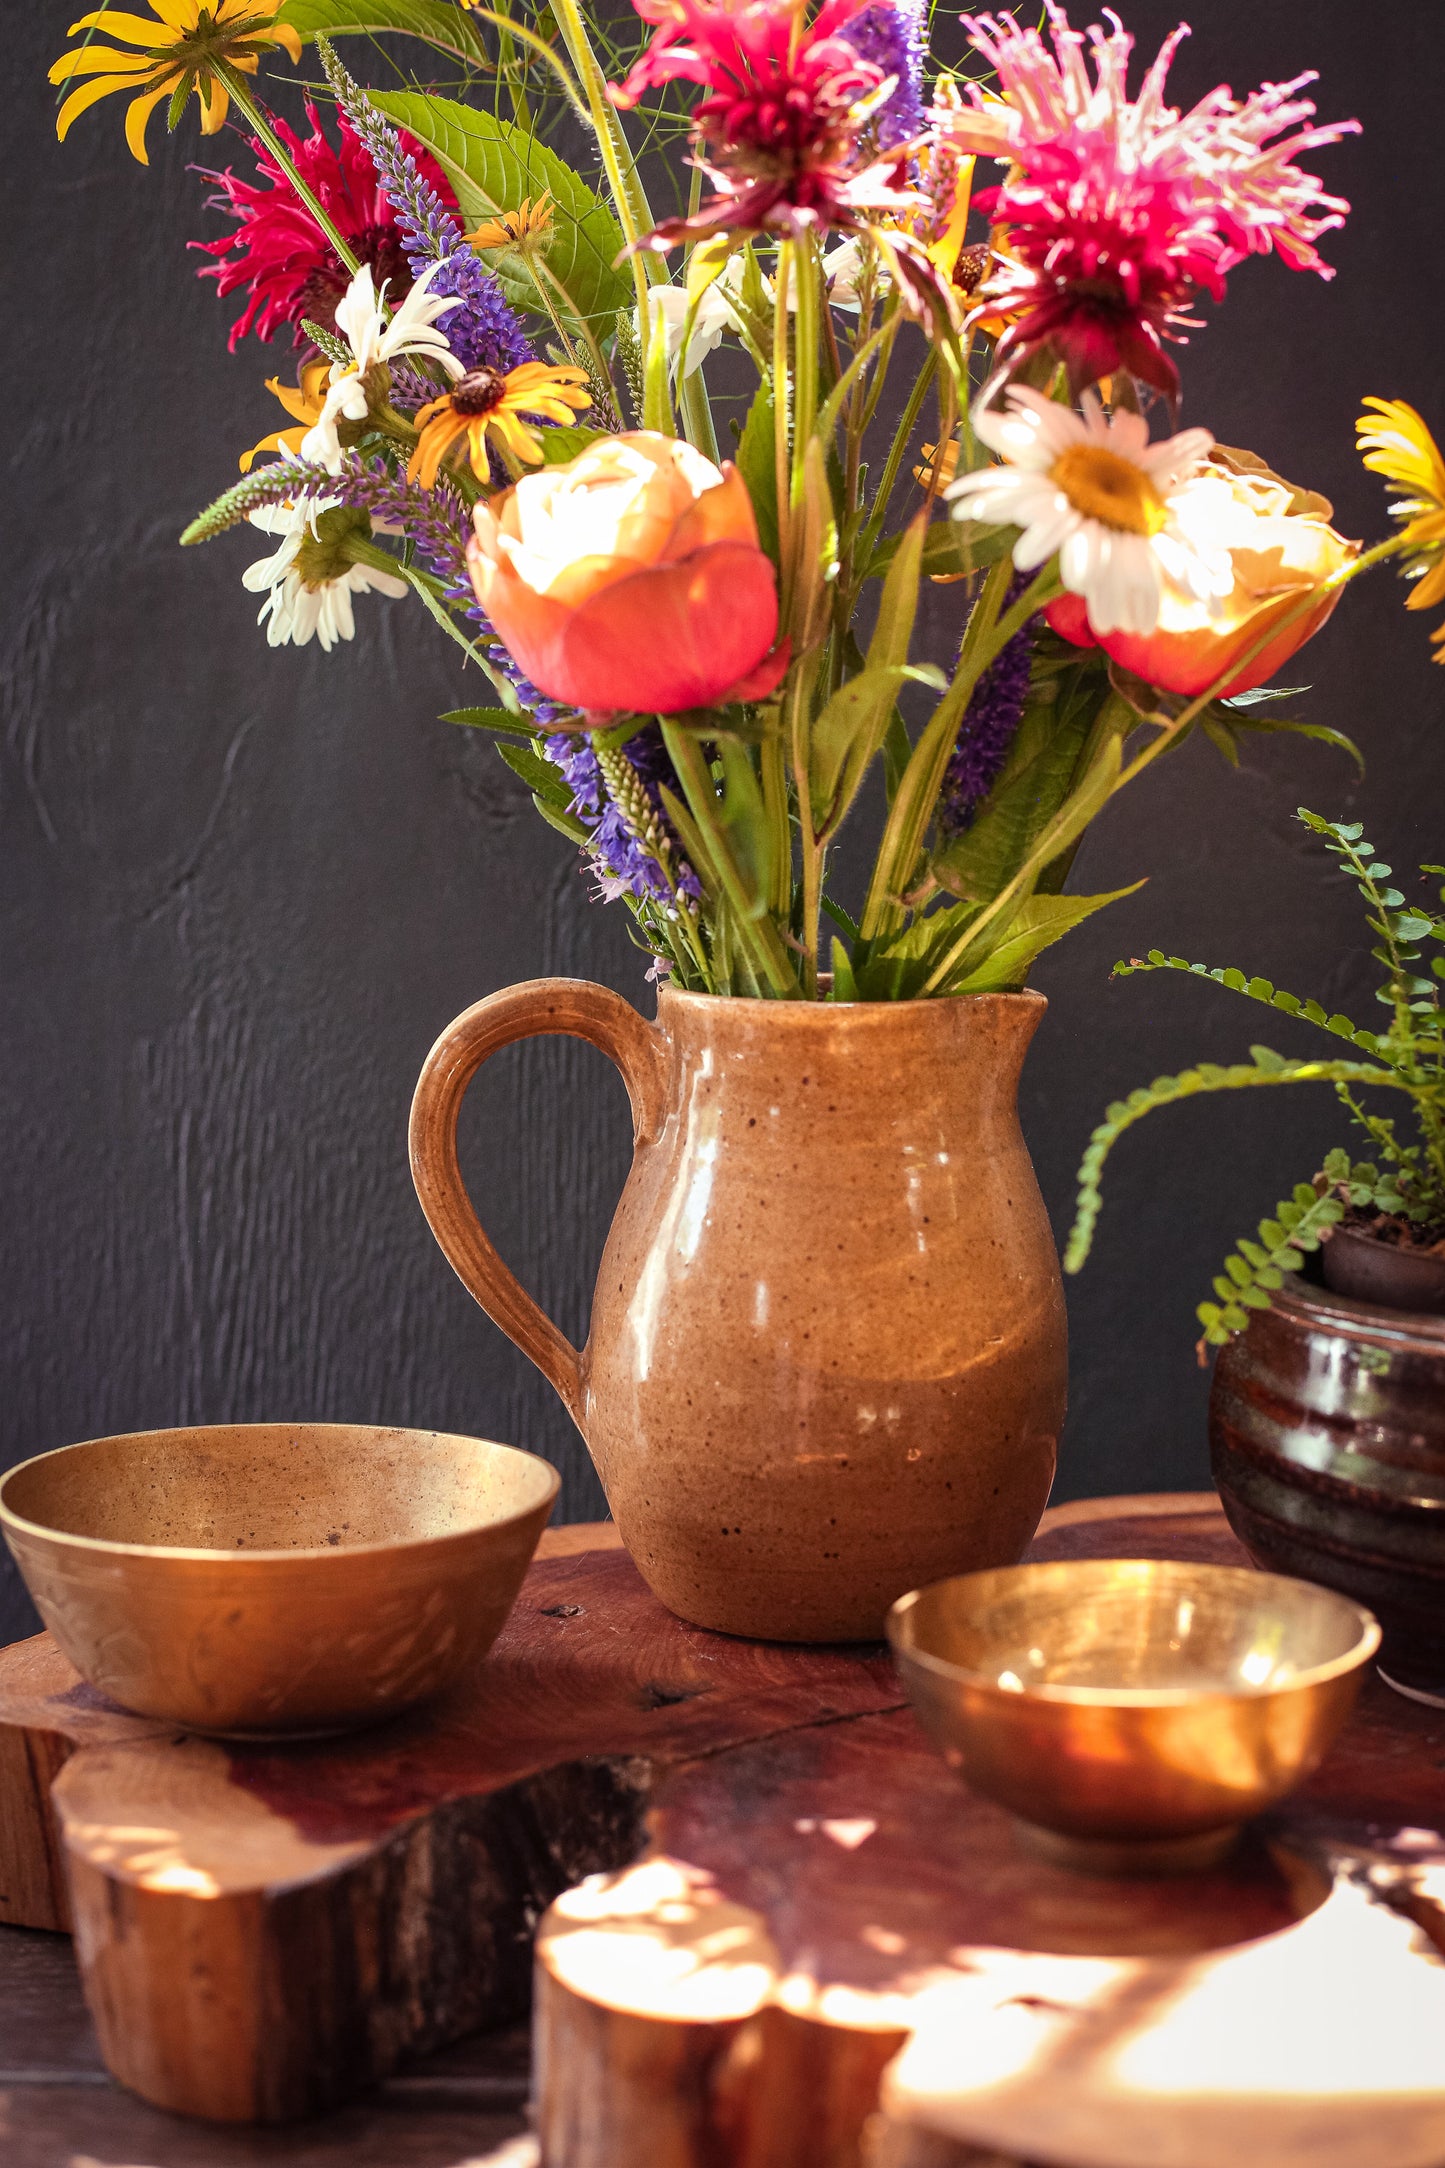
column 241, row 891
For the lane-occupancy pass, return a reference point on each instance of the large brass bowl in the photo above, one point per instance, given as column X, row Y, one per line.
column 1132, row 1713
column 258, row 1579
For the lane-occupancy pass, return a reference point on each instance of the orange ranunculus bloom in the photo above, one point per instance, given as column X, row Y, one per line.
column 631, row 578
column 1281, row 544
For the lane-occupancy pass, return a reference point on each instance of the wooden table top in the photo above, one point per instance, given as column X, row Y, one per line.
column 59, row 2107
column 462, row 2108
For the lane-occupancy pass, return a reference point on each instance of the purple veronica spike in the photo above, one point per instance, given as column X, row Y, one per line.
column 484, row 332
column 892, row 38
column 621, row 861
column 987, row 730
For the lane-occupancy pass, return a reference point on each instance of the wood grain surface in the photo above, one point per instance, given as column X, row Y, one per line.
column 809, row 1882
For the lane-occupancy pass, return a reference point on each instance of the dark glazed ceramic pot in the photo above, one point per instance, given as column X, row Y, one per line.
column 1327, row 1430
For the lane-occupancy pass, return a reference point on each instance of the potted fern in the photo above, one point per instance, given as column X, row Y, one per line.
column 1327, row 1412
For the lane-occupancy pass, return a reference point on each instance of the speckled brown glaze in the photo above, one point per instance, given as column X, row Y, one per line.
column 827, row 1357
column 1327, row 1428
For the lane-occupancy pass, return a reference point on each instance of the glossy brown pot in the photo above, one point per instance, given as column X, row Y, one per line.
column 1327, row 1429
column 827, row 1355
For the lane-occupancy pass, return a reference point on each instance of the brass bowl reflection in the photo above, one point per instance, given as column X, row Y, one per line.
column 259, row 1579
column 1132, row 1713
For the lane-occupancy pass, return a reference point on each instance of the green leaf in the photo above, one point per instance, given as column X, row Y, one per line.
column 744, row 822
column 756, row 464
column 1037, row 924
column 566, row 824
column 497, row 719
column 850, row 730
column 1021, row 804
column 560, row 445
column 539, row 775
column 493, row 165
column 845, row 986
column 436, row 21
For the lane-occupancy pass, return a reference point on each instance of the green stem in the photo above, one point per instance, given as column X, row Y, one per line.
column 634, row 213
column 237, row 85
column 896, row 451
column 507, row 65
column 759, row 935
column 773, row 764
column 799, row 721
column 805, row 358
column 912, row 809
column 782, row 380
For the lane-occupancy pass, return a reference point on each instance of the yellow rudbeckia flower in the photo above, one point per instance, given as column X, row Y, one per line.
column 1396, row 443
column 189, row 45
column 303, row 404
column 486, row 403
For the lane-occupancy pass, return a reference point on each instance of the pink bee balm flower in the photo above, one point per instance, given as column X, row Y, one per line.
column 279, row 254
column 787, row 106
column 1118, row 212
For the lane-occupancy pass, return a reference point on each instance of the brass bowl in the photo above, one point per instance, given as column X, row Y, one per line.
column 253, row 1580
column 1132, row 1713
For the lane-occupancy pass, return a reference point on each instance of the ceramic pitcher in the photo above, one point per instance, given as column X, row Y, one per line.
column 827, row 1353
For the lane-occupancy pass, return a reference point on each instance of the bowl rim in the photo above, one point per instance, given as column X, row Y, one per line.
column 309, row 1554
column 1135, row 1697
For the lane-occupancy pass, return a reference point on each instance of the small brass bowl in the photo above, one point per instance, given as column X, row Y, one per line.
column 1133, row 1714
column 254, row 1580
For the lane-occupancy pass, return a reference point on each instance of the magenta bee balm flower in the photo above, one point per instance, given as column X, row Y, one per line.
column 1118, row 213
column 277, row 253
column 784, row 131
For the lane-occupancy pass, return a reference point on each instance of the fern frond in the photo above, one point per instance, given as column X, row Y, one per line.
column 1188, row 1084
column 1257, row 989
column 1254, row 1270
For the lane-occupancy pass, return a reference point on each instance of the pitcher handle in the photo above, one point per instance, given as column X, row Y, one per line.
column 536, row 1008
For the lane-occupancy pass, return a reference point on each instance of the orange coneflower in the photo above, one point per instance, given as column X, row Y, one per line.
column 485, row 402
column 1397, row 443
column 192, row 46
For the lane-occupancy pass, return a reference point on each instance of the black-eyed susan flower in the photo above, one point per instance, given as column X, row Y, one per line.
column 521, row 229
column 485, row 403
column 191, row 45
column 1397, row 444
column 304, row 403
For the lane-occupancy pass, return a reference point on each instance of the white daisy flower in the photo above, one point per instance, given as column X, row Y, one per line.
column 843, row 270
column 715, row 316
column 361, row 321
column 1115, row 508
column 298, row 609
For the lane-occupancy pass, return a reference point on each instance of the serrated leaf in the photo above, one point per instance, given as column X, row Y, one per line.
column 493, row 165
column 538, row 774
column 500, row 720
column 1035, row 926
column 436, row 21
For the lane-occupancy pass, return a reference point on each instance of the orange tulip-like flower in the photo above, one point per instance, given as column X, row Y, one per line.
column 1282, row 547
column 631, row 579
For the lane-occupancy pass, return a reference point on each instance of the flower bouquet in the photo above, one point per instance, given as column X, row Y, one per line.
column 826, row 1361
column 698, row 665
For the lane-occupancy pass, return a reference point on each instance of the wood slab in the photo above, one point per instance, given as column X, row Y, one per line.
column 812, row 1904
column 265, row 1931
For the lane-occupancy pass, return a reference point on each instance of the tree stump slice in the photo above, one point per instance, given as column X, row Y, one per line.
column 763, row 1883
column 813, row 1903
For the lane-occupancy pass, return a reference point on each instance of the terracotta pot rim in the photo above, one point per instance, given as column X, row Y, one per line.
column 1350, row 1317
column 744, row 1002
